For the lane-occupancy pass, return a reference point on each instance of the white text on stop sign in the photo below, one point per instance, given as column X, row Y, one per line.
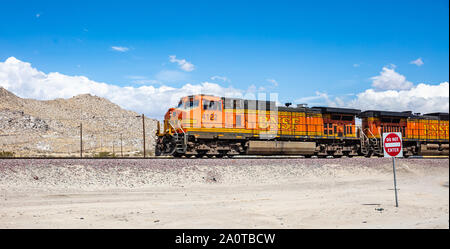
column 390, row 150
column 392, row 144
column 393, row 139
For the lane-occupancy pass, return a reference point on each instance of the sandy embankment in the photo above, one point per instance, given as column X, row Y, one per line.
column 228, row 193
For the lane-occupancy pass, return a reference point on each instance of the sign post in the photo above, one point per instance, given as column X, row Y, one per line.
column 392, row 147
column 395, row 182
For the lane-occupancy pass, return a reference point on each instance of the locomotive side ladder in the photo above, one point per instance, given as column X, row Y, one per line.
column 180, row 143
column 369, row 145
column 364, row 143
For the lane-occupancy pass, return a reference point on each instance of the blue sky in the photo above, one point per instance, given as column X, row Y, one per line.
column 332, row 47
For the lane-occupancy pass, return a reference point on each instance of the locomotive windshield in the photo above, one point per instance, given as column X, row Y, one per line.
column 185, row 105
column 211, row 105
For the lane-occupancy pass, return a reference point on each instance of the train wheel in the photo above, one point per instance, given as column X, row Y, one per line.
column 157, row 151
column 177, row 155
column 368, row 155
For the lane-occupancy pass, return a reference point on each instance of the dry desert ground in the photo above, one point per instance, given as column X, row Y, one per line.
column 223, row 193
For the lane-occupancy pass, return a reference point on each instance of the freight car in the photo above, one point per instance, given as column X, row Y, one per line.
column 205, row 125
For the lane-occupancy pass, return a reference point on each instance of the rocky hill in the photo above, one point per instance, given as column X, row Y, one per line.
column 31, row 127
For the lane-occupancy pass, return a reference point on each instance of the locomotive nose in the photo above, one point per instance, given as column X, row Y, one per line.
column 176, row 116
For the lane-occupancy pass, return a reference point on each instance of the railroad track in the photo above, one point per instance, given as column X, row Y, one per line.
column 235, row 157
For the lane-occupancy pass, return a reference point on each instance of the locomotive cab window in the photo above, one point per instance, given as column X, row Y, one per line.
column 212, row 105
column 188, row 104
column 191, row 104
column 205, row 104
column 215, row 105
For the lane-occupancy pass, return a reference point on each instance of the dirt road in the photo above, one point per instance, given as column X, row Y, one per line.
column 209, row 193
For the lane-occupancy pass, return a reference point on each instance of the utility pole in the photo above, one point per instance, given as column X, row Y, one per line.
column 143, row 130
column 121, row 150
column 81, row 140
column 81, row 132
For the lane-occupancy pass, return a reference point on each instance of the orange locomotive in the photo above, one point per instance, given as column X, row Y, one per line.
column 422, row 134
column 204, row 125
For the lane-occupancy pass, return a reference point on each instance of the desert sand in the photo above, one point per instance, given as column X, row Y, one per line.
column 223, row 193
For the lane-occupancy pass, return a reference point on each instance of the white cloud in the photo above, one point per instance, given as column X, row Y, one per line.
column 222, row 78
column 146, row 82
column 321, row 99
column 120, row 49
column 184, row 65
column 142, row 80
column 356, row 65
column 38, row 15
column 390, row 80
column 423, row 98
column 391, row 92
column 417, row 62
column 251, row 88
column 274, row 82
column 171, row 76
column 27, row 82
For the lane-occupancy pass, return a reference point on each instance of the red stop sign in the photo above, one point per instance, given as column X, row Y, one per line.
column 392, row 144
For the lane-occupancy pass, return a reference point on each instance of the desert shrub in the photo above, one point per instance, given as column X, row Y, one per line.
column 105, row 154
column 147, row 153
column 6, row 154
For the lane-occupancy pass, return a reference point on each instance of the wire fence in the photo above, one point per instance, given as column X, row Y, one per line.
column 95, row 136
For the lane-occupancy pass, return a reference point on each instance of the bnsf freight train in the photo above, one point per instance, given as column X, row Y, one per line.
column 204, row 125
